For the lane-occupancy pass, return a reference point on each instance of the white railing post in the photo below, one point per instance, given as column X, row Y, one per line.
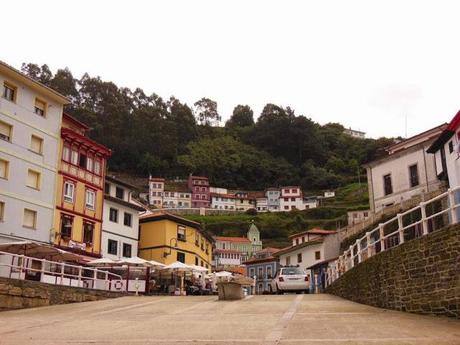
column 62, row 274
column 424, row 220
column 94, row 278
column 382, row 237
column 79, row 276
column 452, row 204
column 358, row 247
column 352, row 261
column 368, row 241
column 400, row 228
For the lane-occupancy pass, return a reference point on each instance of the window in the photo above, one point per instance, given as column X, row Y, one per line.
column 388, row 188
column 74, row 160
column 112, row 247
column 260, row 273
column 181, row 233
column 82, row 161
column 202, row 243
column 286, row 207
column 5, row 131
column 128, row 219
column 90, row 197
column 288, row 260
column 181, row 257
column 4, row 167
column 120, row 193
column 292, row 199
column 89, row 164
column 197, row 239
column 296, row 241
column 107, row 188
column 66, row 226
column 30, row 218
column 9, row 92
column 207, row 248
column 252, row 272
column 293, row 190
column 113, row 215
column 36, row 144
column 299, row 257
column 33, row 179
column 40, row 107
column 2, row 211
column 69, row 191
column 366, row 214
column 317, row 255
column 66, row 154
column 88, row 231
column 97, row 167
column 413, row 174
column 451, row 146
column 127, row 250
column 269, row 272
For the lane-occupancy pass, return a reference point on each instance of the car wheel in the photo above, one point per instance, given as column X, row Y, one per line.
column 270, row 289
column 278, row 290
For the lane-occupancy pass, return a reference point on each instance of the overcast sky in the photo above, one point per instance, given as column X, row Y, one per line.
column 366, row 64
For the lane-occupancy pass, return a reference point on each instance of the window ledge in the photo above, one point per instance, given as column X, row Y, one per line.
column 34, row 188
column 29, row 227
column 37, row 153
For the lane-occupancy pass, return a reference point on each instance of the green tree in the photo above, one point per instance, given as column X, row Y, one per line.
column 242, row 116
column 207, row 113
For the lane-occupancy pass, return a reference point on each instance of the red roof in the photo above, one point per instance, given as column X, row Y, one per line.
column 232, row 239
column 314, row 231
column 268, row 250
column 228, row 196
column 454, row 123
column 231, row 251
column 257, row 260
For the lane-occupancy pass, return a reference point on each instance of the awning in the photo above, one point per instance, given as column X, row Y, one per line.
column 39, row 251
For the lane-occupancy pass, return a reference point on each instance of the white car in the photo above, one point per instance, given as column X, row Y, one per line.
column 290, row 279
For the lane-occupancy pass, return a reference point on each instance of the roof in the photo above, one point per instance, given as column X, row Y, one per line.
column 124, row 203
column 314, row 231
column 47, row 91
column 300, row 246
column 231, row 251
column 113, row 179
column 232, row 239
column 318, row 264
column 74, row 121
column 446, row 134
column 198, row 177
column 158, row 216
column 228, row 196
column 268, row 250
column 261, row 260
column 157, row 179
column 424, row 136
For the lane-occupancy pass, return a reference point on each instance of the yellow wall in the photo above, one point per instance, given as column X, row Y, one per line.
column 155, row 240
column 78, row 210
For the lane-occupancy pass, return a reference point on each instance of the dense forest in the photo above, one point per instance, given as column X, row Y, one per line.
column 151, row 135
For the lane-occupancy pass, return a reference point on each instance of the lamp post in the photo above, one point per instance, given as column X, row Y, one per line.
column 165, row 254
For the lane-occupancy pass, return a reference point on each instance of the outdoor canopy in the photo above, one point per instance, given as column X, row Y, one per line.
column 39, row 251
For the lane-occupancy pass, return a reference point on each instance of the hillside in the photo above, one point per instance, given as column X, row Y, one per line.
column 169, row 138
column 276, row 227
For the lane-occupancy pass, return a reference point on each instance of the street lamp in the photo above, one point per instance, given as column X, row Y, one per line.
column 165, row 254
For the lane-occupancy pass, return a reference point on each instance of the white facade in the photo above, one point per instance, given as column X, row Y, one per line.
column 329, row 194
column 120, row 233
column 291, row 199
column 227, row 258
column 355, row 133
column 223, row 201
column 218, row 190
column 356, row 217
column 310, row 203
column 262, row 204
column 407, row 172
column 273, row 199
column 29, row 142
column 156, row 189
column 309, row 253
column 177, row 199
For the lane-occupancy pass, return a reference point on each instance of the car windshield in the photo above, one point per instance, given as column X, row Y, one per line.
column 291, row 271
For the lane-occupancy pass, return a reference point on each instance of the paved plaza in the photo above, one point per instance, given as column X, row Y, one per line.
column 287, row 320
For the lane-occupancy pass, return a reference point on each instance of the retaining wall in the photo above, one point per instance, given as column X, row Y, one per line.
column 420, row 276
column 18, row 294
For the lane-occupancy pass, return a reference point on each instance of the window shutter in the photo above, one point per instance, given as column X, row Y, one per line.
column 36, row 144
column 5, row 130
column 29, row 218
column 3, row 168
column 32, row 179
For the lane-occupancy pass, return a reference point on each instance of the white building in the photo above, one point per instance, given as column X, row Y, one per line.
column 446, row 150
column 218, row 190
column 222, row 201
column 179, row 199
column 156, row 189
column 30, row 125
column 227, row 257
column 120, row 224
column 262, row 204
column 291, row 198
column 310, row 247
column 407, row 171
column 273, row 199
column 354, row 133
column 356, row 217
column 311, row 202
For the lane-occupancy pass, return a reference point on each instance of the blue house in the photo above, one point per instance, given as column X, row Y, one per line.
column 263, row 266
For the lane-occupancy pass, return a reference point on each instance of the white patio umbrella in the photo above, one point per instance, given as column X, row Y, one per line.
column 39, row 251
column 156, row 264
column 134, row 261
column 223, row 274
column 102, row 262
column 199, row 268
column 178, row 266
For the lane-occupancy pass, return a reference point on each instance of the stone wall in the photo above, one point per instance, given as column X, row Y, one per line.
column 420, row 276
column 17, row 294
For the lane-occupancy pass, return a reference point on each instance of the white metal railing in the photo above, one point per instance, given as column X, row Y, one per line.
column 58, row 273
column 424, row 218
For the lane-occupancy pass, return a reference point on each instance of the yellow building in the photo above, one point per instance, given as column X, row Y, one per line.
column 79, row 190
column 167, row 238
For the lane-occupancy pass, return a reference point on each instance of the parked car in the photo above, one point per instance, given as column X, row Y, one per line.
column 290, row 279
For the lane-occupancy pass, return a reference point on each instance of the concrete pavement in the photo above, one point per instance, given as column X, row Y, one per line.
column 265, row 320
